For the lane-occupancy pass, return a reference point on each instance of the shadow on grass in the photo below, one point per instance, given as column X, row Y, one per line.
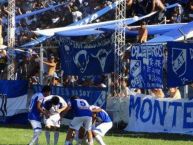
column 161, row 136
column 14, row 126
column 26, row 126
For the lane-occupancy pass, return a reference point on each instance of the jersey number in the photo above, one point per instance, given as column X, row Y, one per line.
column 82, row 105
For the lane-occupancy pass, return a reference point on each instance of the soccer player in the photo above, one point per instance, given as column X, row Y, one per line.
column 103, row 124
column 35, row 111
column 55, row 105
column 82, row 115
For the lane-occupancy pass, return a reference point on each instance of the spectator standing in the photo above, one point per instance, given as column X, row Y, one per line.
column 157, row 5
column 51, row 69
column 3, row 62
column 142, row 33
column 174, row 93
column 158, row 93
column 190, row 9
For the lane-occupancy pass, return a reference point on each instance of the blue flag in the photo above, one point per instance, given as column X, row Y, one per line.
column 146, row 66
column 179, row 64
column 83, row 59
column 93, row 95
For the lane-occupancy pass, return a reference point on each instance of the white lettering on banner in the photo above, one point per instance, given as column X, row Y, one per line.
column 80, row 93
column 137, row 81
column 147, row 59
column 86, row 45
column 147, row 114
column 147, row 51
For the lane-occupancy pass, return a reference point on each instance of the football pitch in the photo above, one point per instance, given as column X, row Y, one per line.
column 22, row 135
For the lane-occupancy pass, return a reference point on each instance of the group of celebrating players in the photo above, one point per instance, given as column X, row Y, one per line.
column 88, row 121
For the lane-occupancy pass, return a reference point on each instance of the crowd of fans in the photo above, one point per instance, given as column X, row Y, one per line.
column 72, row 11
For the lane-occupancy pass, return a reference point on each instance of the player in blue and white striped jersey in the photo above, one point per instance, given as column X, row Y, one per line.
column 35, row 111
column 82, row 115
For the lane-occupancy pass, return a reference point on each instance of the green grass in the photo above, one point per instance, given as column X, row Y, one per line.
column 22, row 135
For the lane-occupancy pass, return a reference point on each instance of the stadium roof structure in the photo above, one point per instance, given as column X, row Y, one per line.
column 84, row 21
column 182, row 33
column 80, row 28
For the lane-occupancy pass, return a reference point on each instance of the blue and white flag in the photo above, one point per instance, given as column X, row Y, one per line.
column 179, row 64
column 13, row 100
column 83, row 59
column 146, row 66
column 94, row 96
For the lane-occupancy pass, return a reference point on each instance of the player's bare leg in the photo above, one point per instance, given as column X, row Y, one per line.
column 69, row 136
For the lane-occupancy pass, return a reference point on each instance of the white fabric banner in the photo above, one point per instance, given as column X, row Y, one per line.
column 147, row 114
column 13, row 106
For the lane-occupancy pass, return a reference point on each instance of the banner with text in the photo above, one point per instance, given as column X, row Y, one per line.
column 83, row 59
column 93, row 95
column 147, row 114
column 146, row 66
column 179, row 64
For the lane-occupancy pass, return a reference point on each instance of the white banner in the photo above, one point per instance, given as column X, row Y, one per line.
column 147, row 114
column 13, row 106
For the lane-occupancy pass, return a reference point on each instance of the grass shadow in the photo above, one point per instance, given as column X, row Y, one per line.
column 161, row 136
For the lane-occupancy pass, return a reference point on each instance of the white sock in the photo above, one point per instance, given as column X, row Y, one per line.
column 35, row 137
column 37, row 140
column 56, row 136
column 47, row 134
column 99, row 140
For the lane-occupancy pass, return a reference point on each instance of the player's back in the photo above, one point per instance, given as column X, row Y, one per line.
column 80, row 107
column 103, row 116
column 47, row 104
column 34, row 114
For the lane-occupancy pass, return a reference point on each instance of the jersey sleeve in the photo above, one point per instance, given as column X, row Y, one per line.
column 40, row 98
column 62, row 101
